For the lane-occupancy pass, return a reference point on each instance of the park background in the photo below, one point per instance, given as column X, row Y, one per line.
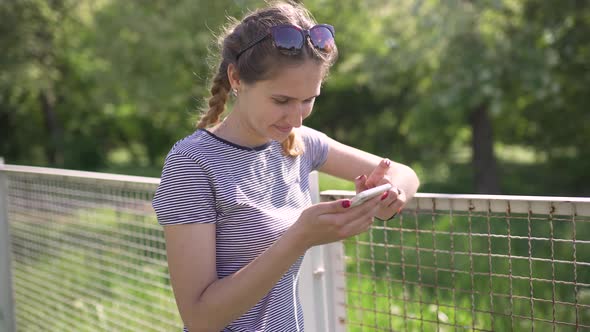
column 477, row 96
column 487, row 96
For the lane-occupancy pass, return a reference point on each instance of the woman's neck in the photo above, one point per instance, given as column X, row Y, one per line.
column 237, row 131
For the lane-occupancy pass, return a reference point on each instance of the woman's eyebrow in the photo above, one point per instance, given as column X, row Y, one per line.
column 288, row 97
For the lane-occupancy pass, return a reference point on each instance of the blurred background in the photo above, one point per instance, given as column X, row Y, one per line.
column 487, row 96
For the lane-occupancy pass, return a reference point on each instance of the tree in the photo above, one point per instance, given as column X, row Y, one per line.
column 31, row 63
column 156, row 59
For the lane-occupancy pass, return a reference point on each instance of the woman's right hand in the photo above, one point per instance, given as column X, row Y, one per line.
column 328, row 222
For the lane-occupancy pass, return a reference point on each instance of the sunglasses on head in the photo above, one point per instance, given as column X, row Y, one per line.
column 291, row 38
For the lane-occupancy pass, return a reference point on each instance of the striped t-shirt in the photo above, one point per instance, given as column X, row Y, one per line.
column 252, row 195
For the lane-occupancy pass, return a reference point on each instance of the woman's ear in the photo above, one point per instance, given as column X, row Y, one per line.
column 233, row 76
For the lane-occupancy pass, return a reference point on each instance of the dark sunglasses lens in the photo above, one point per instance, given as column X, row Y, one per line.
column 322, row 38
column 287, row 38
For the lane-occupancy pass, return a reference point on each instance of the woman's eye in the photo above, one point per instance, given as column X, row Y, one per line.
column 309, row 101
column 281, row 101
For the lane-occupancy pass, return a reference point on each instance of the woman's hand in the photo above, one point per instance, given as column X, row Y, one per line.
column 333, row 221
column 328, row 222
column 394, row 199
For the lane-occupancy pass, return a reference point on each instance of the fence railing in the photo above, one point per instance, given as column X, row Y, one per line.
column 86, row 254
column 469, row 262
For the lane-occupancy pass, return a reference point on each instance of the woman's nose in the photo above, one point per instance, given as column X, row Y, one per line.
column 295, row 116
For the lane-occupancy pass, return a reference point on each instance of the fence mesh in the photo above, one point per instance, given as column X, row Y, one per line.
column 88, row 255
column 456, row 270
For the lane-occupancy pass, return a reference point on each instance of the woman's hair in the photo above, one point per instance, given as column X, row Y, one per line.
column 262, row 61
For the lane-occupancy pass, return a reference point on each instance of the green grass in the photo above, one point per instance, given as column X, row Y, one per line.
column 92, row 270
column 329, row 182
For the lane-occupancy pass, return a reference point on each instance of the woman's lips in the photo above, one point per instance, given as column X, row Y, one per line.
column 284, row 129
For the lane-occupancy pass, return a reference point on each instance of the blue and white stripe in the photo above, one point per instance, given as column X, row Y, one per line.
column 252, row 195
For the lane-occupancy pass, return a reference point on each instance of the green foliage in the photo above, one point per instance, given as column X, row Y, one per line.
column 81, row 81
column 411, row 78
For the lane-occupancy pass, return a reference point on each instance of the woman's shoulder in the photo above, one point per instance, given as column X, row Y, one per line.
column 201, row 151
column 316, row 146
column 306, row 131
column 312, row 136
column 193, row 147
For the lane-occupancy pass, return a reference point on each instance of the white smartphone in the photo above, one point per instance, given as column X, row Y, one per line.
column 366, row 195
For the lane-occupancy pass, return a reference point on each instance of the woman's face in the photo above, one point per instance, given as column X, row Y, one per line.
column 270, row 109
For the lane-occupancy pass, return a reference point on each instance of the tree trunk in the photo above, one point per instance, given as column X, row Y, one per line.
column 54, row 148
column 484, row 161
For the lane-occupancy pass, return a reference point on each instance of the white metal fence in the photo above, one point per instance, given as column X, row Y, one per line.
column 86, row 254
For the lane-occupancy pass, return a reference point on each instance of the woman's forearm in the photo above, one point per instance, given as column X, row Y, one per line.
column 228, row 298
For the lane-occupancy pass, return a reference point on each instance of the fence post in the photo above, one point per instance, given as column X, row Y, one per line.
column 7, row 321
column 335, row 286
column 321, row 282
column 310, row 288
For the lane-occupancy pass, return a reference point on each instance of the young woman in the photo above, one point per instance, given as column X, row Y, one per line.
column 234, row 196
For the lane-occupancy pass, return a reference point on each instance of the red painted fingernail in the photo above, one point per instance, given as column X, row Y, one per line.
column 387, row 162
column 358, row 178
column 385, row 194
column 345, row 204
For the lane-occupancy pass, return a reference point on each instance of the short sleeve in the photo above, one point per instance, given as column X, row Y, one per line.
column 185, row 194
column 316, row 146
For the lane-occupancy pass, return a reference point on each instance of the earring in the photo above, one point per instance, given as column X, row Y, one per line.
column 234, row 91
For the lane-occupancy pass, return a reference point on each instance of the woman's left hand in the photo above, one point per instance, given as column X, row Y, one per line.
column 393, row 200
